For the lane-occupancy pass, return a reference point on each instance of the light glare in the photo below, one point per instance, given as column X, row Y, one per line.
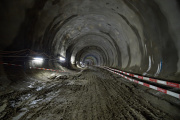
column 38, row 59
column 62, row 59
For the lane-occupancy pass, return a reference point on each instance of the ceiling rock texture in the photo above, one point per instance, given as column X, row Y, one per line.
column 140, row 36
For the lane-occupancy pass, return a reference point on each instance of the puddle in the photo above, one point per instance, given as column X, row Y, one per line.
column 39, row 88
column 31, row 85
column 35, row 102
column 25, row 97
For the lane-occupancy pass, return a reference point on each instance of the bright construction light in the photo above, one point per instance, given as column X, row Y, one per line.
column 62, row 59
column 38, row 60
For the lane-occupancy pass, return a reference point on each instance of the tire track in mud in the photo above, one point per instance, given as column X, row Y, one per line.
column 93, row 95
column 135, row 102
column 105, row 99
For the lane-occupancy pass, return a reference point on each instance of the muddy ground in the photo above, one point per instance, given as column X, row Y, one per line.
column 93, row 94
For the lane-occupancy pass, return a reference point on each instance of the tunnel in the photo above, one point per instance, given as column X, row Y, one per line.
column 59, row 59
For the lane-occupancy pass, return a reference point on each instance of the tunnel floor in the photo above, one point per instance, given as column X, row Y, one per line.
column 93, row 94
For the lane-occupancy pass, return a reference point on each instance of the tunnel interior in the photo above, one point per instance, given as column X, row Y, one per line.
column 137, row 36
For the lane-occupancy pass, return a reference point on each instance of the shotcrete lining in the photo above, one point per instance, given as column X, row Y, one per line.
column 136, row 33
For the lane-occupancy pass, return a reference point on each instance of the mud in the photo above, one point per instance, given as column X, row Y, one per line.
column 93, row 94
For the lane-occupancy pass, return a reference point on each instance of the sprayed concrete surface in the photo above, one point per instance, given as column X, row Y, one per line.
column 93, row 94
column 140, row 36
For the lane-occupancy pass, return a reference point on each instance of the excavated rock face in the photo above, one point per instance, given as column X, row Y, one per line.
column 140, row 36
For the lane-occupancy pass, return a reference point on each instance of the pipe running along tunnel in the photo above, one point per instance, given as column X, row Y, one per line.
column 138, row 36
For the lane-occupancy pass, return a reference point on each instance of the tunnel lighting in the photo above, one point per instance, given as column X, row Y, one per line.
column 38, row 60
column 62, row 59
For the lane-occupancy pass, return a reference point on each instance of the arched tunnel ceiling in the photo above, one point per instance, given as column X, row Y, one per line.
column 137, row 36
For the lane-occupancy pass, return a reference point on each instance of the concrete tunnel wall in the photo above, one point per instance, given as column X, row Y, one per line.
column 141, row 36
